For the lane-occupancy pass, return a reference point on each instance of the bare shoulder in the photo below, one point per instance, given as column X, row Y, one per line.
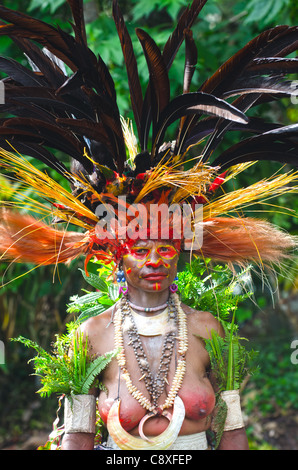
column 99, row 330
column 202, row 322
column 98, row 321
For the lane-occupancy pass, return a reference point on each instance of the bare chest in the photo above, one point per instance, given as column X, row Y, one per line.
column 196, row 390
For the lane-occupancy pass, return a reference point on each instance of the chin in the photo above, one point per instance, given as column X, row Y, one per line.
column 157, row 286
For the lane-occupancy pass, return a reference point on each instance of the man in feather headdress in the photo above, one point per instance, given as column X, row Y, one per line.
column 160, row 398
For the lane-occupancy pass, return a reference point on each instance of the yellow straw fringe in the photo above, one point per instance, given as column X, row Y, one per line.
column 130, row 139
column 45, row 187
column 258, row 192
column 185, row 183
column 169, row 175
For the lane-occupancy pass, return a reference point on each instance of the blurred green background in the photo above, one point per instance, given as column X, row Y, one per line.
column 34, row 305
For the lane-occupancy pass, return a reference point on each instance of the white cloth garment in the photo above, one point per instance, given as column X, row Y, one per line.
column 196, row 441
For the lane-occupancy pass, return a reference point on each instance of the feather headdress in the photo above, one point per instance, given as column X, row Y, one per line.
column 47, row 110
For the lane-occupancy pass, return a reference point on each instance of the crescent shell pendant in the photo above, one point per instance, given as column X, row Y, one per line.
column 126, row 441
column 145, row 418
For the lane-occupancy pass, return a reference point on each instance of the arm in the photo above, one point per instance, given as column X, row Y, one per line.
column 234, row 440
column 92, row 328
column 79, row 421
column 78, row 441
column 80, row 427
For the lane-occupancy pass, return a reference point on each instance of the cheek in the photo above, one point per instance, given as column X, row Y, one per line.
column 172, row 269
column 130, row 264
column 170, row 264
column 131, row 268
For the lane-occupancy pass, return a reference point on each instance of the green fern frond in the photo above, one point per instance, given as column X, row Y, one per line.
column 64, row 373
column 32, row 344
column 93, row 371
column 230, row 361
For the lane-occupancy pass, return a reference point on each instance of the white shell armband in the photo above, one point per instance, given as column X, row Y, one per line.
column 80, row 414
column 234, row 419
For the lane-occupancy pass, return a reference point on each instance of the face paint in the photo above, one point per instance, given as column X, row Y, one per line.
column 144, row 255
column 139, row 254
column 151, row 265
column 166, row 251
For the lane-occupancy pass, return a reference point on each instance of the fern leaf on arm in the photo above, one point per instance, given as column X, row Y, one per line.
column 231, row 362
column 66, row 373
column 93, row 370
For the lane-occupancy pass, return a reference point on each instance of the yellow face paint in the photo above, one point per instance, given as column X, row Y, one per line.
column 145, row 258
column 142, row 253
column 166, row 251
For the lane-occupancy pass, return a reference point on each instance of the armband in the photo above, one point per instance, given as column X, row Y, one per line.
column 80, row 414
column 234, row 419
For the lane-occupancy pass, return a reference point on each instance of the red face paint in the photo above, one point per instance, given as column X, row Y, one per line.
column 150, row 264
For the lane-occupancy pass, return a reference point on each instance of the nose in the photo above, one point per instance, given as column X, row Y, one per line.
column 155, row 260
column 154, row 264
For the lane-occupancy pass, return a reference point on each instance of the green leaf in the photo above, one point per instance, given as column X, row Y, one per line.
column 95, row 281
column 43, row 4
column 114, row 292
column 143, row 8
column 94, row 369
column 230, row 361
column 263, row 10
column 62, row 373
column 91, row 312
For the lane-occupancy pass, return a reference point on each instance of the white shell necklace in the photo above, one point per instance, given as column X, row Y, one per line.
column 154, row 325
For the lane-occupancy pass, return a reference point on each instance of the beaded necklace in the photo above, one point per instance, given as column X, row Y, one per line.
column 155, row 386
column 147, row 309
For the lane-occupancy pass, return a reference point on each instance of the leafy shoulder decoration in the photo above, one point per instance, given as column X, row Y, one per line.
column 63, row 373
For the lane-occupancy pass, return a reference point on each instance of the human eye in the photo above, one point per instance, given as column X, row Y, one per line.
column 164, row 248
column 141, row 252
column 167, row 250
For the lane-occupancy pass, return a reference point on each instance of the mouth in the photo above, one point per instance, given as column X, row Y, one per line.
column 155, row 276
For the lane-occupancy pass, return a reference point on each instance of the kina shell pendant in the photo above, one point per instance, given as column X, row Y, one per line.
column 163, row 441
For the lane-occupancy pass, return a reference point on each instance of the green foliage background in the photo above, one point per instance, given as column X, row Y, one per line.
column 34, row 305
